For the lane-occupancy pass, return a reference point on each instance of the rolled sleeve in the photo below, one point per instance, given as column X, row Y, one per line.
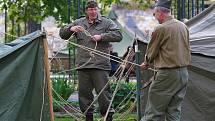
column 65, row 32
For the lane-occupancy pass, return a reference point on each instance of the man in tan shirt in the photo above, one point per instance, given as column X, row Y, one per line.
column 169, row 52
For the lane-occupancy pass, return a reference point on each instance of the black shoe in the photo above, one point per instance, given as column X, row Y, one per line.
column 110, row 117
column 89, row 117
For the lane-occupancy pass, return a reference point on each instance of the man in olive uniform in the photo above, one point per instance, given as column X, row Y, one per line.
column 169, row 52
column 93, row 70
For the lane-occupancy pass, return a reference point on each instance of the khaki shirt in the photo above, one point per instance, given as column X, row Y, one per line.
column 169, row 46
column 102, row 26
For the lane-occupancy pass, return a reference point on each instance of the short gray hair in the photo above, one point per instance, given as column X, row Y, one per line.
column 163, row 9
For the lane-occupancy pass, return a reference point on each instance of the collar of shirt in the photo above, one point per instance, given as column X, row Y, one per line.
column 168, row 18
column 97, row 20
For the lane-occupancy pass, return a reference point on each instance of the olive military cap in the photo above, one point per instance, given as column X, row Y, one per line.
column 163, row 3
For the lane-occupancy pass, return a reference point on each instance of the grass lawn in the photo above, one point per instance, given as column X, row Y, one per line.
column 129, row 117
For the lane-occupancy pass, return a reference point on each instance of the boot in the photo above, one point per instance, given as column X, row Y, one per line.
column 110, row 117
column 89, row 117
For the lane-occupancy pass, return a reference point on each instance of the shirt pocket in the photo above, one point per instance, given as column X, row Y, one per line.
column 99, row 30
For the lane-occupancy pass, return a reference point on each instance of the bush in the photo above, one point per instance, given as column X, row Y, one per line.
column 123, row 92
column 64, row 88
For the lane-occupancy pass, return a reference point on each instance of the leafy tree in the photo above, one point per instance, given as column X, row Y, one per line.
column 22, row 11
column 133, row 4
column 32, row 12
column 29, row 13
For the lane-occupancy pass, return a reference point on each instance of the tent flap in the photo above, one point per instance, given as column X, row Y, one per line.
column 22, row 81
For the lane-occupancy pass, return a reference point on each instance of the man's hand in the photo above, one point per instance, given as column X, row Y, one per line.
column 144, row 66
column 96, row 38
column 77, row 29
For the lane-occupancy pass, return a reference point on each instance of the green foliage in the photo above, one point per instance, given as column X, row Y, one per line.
column 64, row 119
column 123, row 92
column 137, row 4
column 22, row 11
column 134, row 4
column 106, row 4
column 64, row 88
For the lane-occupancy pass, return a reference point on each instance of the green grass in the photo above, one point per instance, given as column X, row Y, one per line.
column 129, row 117
column 64, row 119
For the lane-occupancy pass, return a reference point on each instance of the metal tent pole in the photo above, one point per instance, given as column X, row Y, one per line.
column 179, row 9
column 5, row 23
column 69, row 10
column 79, row 8
column 193, row 8
column 188, row 9
column 183, row 9
column 203, row 5
column 197, row 6
column 137, row 59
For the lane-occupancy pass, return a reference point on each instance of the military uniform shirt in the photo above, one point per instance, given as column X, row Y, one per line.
column 103, row 26
column 169, row 46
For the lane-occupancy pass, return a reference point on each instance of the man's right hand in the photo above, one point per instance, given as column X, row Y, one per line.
column 77, row 29
column 144, row 66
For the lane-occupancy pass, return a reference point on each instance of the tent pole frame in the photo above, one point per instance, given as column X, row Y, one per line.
column 47, row 77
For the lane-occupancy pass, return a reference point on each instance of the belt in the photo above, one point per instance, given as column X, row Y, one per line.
column 177, row 67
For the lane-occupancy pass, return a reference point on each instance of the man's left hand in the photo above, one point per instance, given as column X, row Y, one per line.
column 96, row 38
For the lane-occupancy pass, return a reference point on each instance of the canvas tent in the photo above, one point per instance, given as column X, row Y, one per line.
column 127, row 36
column 24, row 80
column 199, row 102
column 133, row 24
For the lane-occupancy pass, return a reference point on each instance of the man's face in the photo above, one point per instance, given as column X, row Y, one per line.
column 157, row 15
column 92, row 13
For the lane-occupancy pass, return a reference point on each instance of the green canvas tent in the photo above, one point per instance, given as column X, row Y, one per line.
column 127, row 40
column 24, row 80
column 199, row 104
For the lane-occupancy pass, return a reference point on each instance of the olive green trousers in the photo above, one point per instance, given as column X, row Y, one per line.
column 88, row 80
column 166, row 94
